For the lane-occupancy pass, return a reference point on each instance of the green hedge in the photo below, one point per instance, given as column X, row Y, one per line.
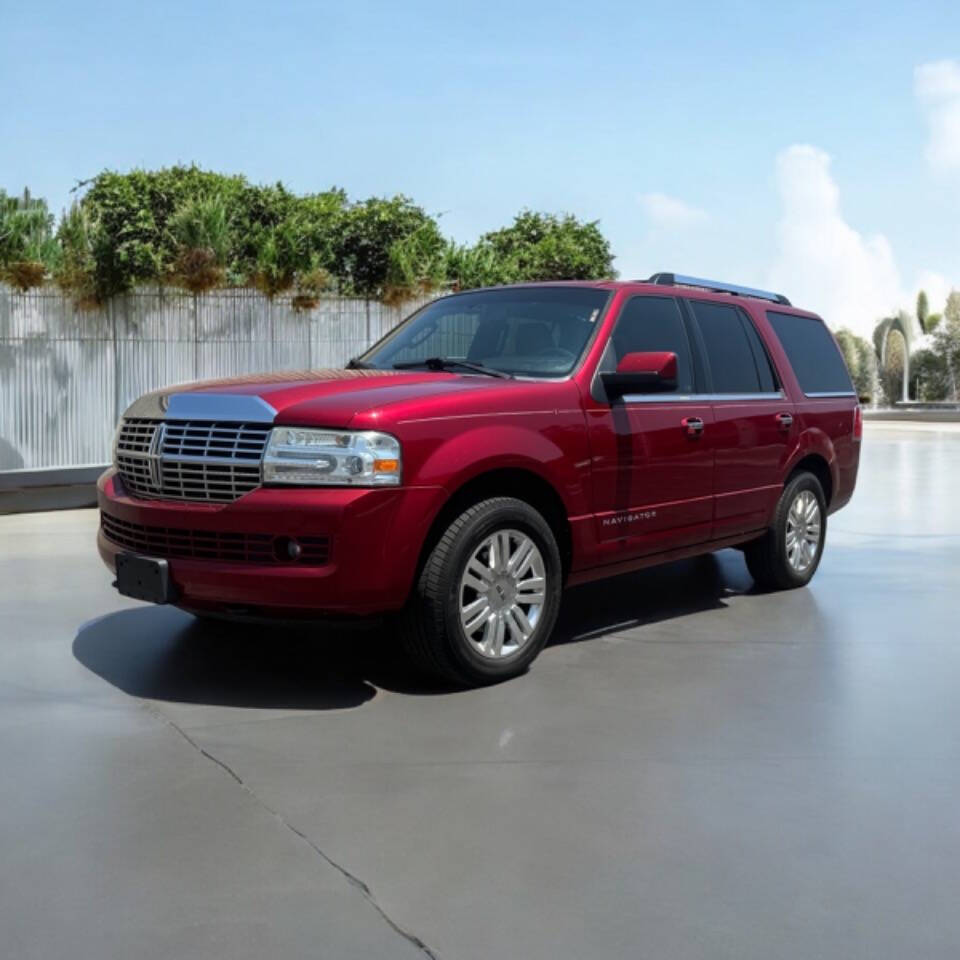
column 199, row 230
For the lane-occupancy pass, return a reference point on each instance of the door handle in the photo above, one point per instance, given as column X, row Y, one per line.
column 785, row 420
column 693, row 425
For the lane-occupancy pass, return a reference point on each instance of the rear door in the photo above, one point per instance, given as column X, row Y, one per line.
column 753, row 430
column 827, row 404
column 652, row 472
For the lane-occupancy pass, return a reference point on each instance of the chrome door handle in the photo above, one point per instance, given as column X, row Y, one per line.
column 693, row 425
column 785, row 420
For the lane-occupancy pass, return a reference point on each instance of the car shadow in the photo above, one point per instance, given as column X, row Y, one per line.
column 161, row 653
column 651, row 596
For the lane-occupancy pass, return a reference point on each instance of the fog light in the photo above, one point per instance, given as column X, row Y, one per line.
column 286, row 548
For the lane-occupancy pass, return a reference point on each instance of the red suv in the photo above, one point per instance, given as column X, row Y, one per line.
column 496, row 446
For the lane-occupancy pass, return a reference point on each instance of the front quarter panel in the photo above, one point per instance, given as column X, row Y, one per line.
column 556, row 452
column 536, row 426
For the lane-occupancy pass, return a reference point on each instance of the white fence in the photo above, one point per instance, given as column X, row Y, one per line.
column 66, row 374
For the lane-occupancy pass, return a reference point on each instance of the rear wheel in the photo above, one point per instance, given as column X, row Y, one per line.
column 488, row 596
column 788, row 554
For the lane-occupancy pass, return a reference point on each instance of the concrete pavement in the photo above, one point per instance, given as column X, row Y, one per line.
column 691, row 770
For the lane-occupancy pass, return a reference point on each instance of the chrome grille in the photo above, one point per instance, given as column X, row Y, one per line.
column 235, row 441
column 206, row 461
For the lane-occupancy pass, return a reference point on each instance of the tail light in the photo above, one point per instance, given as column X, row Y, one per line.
column 857, row 422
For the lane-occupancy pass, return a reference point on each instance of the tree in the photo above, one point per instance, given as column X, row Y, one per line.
column 860, row 361
column 536, row 246
column 544, row 246
column 927, row 320
column 196, row 227
column 946, row 341
column 199, row 229
column 75, row 272
column 369, row 231
column 202, row 233
column 929, row 377
column 28, row 248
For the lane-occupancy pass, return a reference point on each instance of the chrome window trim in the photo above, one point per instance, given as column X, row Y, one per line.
column 831, row 393
column 699, row 397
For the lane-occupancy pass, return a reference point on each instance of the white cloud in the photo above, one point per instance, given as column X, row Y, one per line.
column 669, row 212
column 937, row 87
column 822, row 262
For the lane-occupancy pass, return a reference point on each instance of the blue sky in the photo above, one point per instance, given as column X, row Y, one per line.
column 802, row 145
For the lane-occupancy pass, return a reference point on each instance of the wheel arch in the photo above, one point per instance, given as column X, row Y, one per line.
column 517, row 482
column 818, row 465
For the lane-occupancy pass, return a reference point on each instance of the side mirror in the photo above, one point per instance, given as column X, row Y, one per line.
column 642, row 373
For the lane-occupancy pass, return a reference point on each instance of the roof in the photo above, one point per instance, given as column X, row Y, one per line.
column 656, row 283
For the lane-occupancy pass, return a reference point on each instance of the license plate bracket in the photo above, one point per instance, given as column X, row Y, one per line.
column 144, row 578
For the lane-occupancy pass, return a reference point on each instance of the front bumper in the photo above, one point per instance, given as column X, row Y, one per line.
column 375, row 539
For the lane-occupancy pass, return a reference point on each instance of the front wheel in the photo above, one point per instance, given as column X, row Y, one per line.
column 788, row 554
column 488, row 596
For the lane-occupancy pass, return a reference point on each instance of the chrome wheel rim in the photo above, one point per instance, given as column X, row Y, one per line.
column 803, row 531
column 502, row 593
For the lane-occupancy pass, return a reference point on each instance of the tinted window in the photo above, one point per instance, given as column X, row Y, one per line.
column 652, row 324
column 813, row 353
column 532, row 331
column 768, row 379
column 732, row 366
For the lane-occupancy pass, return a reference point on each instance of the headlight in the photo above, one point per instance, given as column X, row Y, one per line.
column 339, row 458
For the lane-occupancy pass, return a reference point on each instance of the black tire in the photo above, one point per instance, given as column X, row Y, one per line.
column 430, row 625
column 767, row 556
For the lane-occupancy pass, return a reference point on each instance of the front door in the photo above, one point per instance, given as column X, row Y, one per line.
column 652, row 454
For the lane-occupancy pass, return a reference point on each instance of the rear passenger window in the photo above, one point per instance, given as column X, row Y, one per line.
column 733, row 368
column 653, row 324
column 813, row 353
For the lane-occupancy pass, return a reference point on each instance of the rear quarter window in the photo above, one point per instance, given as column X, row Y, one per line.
column 812, row 352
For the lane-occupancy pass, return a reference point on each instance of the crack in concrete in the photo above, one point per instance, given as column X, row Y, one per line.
column 351, row 878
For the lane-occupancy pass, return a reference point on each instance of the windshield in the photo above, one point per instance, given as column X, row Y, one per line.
column 522, row 331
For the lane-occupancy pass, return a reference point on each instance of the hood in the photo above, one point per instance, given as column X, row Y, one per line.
column 322, row 397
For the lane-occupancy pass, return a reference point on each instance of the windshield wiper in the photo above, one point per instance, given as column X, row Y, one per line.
column 443, row 363
column 355, row 363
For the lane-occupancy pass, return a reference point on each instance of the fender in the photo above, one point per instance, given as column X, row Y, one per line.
column 482, row 449
column 813, row 440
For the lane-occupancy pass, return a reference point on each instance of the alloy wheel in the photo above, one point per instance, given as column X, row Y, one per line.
column 803, row 531
column 502, row 593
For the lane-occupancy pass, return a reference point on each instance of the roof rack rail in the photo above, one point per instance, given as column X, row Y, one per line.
column 678, row 279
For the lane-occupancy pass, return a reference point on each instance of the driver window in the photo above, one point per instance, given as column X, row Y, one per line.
column 652, row 324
